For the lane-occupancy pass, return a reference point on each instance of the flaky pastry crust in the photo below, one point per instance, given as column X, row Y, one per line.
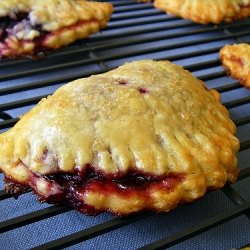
column 32, row 26
column 206, row 11
column 236, row 60
column 145, row 136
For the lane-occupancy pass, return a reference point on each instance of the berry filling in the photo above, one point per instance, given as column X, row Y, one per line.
column 19, row 36
column 8, row 23
column 72, row 189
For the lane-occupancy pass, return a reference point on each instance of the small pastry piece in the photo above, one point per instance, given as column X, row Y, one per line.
column 236, row 60
column 30, row 28
column 206, row 11
column 145, row 136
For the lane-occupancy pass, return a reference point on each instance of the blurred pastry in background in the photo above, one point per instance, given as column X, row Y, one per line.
column 236, row 61
column 206, row 11
column 32, row 28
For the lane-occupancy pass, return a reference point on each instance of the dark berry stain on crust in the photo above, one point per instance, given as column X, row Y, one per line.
column 237, row 60
column 123, row 82
column 143, row 90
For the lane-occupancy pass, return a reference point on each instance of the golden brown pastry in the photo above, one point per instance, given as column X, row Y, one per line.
column 247, row 247
column 145, row 136
column 206, row 11
column 236, row 60
column 29, row 27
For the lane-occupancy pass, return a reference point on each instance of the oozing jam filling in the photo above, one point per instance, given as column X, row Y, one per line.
column 18, row 26
column 70, row 189
column 7, row 23
column 20, row 23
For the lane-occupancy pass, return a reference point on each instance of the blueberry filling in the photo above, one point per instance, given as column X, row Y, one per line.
column 19, row 26
column 71, row 187
column 7, row 23
column 130, row 181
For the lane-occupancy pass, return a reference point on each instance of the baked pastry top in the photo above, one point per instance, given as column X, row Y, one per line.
column 29, row 27
column 206, row 11
column 236, row 60
column 145, row 136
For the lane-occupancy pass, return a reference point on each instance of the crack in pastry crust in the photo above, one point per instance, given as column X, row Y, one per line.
column 32, row 28
column 236, row 61
column 206, row 11
column 145, row 136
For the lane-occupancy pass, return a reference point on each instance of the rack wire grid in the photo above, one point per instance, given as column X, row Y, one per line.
column 220, row 220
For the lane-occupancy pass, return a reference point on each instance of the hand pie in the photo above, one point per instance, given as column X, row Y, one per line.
column 145, row 136
column 31, row 27
column 206, row 11
column 236, row 60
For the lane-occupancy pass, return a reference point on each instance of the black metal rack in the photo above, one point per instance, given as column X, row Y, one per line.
column 221, row 220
